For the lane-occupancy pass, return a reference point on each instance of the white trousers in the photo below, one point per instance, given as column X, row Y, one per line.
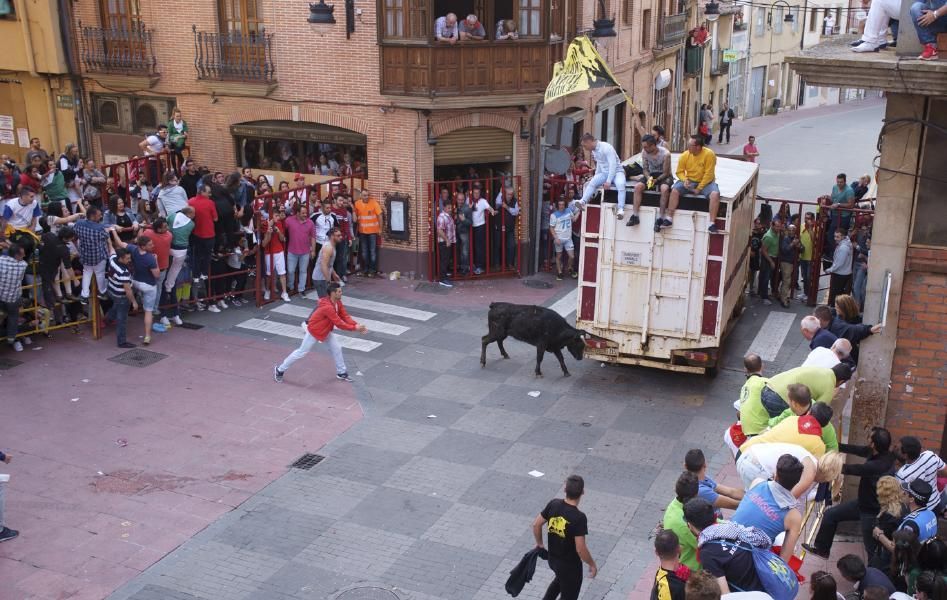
column 600, row 178
column 174, row 269
column 99, row 271
column 880, row 13
column 308, row 342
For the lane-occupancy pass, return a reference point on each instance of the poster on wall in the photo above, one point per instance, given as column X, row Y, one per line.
column 6, row 122
column 6, row 137
column 23, row 137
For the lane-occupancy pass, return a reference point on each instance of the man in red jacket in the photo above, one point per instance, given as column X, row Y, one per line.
column 328, row 315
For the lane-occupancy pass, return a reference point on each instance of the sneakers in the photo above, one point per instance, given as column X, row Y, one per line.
column 285, row 297
column 221, row 304
column 344, row 377
column 266, row 295
column 176, row 319
column 620, row 214
column 713, row 228
column 856, row 43
column 573, row 274
column 446, row 283
column 7, row 534
column 127, row 345
column 478, row 271
column 277, row 374
column 929, row 53
column 158, row 327
column 212, row 308
column 83, row 300
column 165, row 322
column 200, row 307
column 634, row 220
column 866, row 47
column 26, row 340
column 17, row 346
column 146, row 340
column 559, row 276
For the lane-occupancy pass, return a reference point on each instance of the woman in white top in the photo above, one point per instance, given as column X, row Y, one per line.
column 171, row 197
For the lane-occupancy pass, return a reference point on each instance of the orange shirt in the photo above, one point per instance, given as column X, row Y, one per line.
column 369, row 216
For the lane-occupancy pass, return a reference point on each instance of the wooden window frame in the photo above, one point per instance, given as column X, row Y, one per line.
column 248, row 26
column 127, row 20
column 646, row 29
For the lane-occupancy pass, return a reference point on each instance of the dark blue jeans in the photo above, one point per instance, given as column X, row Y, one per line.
column 119, row 313
column 368, row 244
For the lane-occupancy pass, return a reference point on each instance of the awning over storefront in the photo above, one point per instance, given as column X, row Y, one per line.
column 298, row 130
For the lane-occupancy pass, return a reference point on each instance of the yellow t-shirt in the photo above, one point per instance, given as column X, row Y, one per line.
column 805, row 236
column 787, row 432
column 701, row 168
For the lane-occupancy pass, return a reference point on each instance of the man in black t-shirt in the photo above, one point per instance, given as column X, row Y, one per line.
column 567, row 527
column 723, row 548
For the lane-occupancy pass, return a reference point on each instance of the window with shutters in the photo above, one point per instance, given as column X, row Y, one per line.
column 530, row 18
column 795, row 19
column 240, row 16
column 628, row 12
column 646, row 29
column 662, row 103
column 120, row 14
column 759, row 22
column 405, row 19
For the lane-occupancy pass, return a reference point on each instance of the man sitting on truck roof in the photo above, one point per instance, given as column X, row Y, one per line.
column 656, row 163
column 696, row 170
column 608, row 171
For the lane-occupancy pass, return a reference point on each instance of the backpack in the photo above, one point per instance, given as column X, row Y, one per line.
column 777, row 577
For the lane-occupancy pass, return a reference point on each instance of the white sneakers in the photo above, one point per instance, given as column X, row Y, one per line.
column 266, row 295
column 176, row 319
column 164, row 321
column 866, row 47
column 285, row 297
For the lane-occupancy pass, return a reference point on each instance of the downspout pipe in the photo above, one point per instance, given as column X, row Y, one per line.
column 69, row 47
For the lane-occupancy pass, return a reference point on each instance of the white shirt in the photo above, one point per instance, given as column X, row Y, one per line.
column 324, row 222
column 821, row 357
column 767, row 455
column 606, row 159
column 478, row 212
column 155, row 144
column 924, row 468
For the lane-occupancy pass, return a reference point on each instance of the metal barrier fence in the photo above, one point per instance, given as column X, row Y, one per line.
column 49, row 314
column 493, row 249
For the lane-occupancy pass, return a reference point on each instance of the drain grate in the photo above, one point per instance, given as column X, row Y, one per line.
column 367, row 593
column 430, row 288
column 187, row 325
column 8, row 363
column 138, row 358
column 307, row 461
column 537, row 283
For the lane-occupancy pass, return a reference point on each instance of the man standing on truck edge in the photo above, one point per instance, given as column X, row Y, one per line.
column 608, row 171
column 567, row 527
column 696, row 170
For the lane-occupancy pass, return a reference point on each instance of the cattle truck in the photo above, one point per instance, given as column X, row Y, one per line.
column 666, row 300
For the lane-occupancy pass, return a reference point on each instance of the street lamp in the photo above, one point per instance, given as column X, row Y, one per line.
column 321, row 13
column 788, row 18
column 712, row 11
column 603, row 27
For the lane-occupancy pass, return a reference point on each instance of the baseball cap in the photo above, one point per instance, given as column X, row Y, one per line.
column 298, row 176
column 919, row 490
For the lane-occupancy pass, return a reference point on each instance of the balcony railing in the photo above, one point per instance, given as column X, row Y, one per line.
column 672, row 30
column 118, row 50
column 717, row 66
column 484, row 68
column 694, row 61
column 234, row 56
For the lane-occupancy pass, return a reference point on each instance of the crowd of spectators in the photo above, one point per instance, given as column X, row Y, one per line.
column 781, row 247
column 164, row 234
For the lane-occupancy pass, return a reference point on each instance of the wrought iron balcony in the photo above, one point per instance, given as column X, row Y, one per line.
column 118, row 50
column 673, row 30
column 234, row 56
column 717, row 66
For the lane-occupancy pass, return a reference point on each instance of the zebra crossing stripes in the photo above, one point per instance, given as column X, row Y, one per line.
column 304, row 312
column 381, row 307
column 297, row 332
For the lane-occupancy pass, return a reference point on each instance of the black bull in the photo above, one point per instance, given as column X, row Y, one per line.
column 540, row 327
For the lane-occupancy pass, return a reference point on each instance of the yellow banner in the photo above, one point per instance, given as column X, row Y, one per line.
column 583, row 69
